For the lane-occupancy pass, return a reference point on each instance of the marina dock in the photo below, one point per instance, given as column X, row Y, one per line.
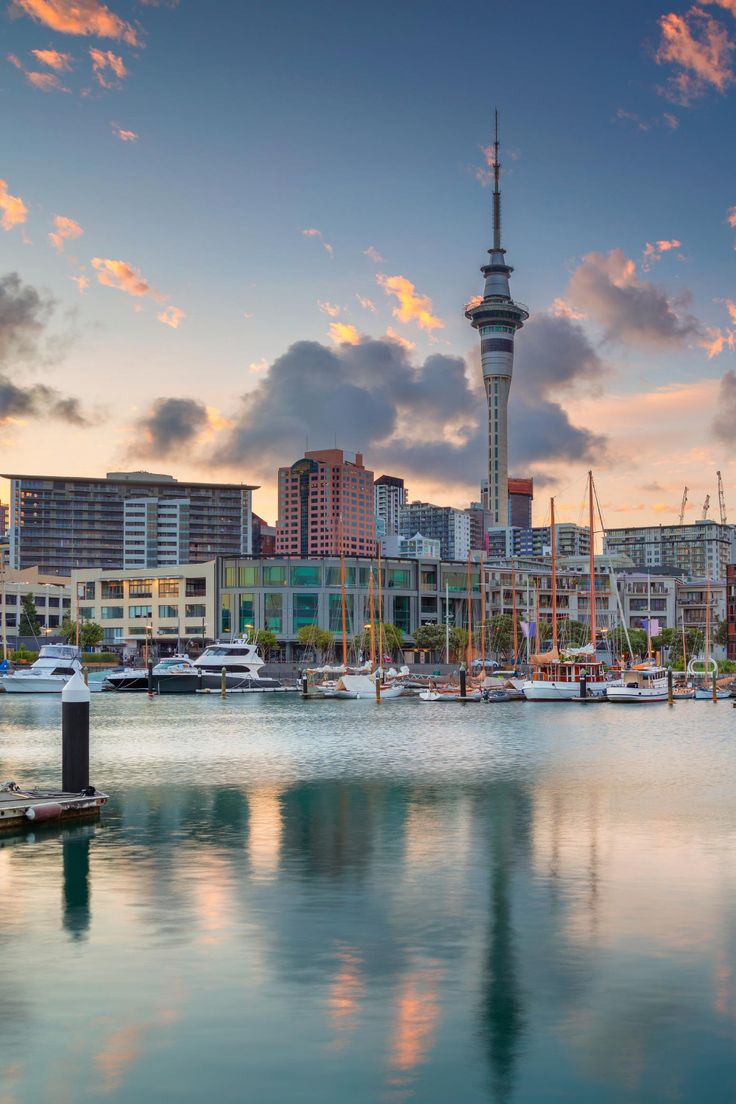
column 23, row 807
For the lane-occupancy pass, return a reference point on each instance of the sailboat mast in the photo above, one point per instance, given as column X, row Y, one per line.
column 380, row 612
column 342, row 599
column 553, row 537
column 482, row 579
column 649, row 616
column 707, row 620
column 592, row 564
column 447, row 621
column 684, row 641
column 513, row 609
column 372, row 623
column 469, row 649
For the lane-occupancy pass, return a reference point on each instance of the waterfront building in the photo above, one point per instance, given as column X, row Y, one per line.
column 531, row 580
column 411, row 548
column 126, row 520
column 389, row 495
column 700, row 549
column 449, row 526
column 284, row 594
column 480, row 523
column 731, row 609
column 497, row 317
column 326, row 506
column 167, row 606
column 693, row 598
column 4, row 519
column 571, row 540
column 51, row 597
column 264, row 537
column 642, row 595
column 521, row 498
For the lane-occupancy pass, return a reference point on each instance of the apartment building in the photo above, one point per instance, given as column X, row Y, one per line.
column 51, row 597
column 449, row 526
column 701, row 549
column 326, row 505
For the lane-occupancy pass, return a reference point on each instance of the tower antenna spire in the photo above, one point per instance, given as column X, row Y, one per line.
column 496, row 191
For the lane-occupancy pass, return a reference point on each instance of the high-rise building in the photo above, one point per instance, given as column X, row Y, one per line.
column 389, row 495
column 3, row 519
column 497, row 318
column 449, row 526
column 570, row 540
column 731, row 609
column 701, row 549
column 521, row 497
column 326, row 506
column 128, row 519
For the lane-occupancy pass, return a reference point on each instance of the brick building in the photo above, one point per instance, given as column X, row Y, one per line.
column 326, row 506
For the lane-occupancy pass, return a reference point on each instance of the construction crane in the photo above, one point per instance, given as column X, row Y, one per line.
column 683, row 504
column 706, row 508
column 721, row 499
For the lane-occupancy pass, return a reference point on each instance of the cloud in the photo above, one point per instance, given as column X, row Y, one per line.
column 731, row 217
column 78, row 17
column 24, row 316
column 330, row 309
column 125, row 135
column 65, row 229
column 312, row 233
column 731, row 308
column 633, row 311
column 82, row 282
column 666, row 119
column 121, row 275
column 404, row 342
column 366, row 303
column 105, row 63
column 653, row 252
column 15, row 60
column 171, row 316
column 725, row 419
column 699, row 46
column 714, row 340
column 14, row 210
column 561, row 309
column 343, row 332
column 54, row 59
column 372, row 253
column 170, row 426
column 412, row 307
column 428, row 419
column 45, row 82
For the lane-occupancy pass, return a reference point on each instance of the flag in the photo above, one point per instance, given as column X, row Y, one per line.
column 651, row 624
column 528, row 629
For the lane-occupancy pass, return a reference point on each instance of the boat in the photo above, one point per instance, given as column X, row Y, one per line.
column 49, row 674
column 450, row 696
column 363, row 686
column 683, row 693
column 706, row 691
column 167, row 677
column 641, row 683
column 242, row 665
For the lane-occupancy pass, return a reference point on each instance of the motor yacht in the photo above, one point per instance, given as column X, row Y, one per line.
column 557, row 677
column 242, row 665
column 49, row 674
column 644, row 682
column 169, row 677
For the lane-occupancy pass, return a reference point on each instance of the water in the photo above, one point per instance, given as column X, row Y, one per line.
column 345, row 902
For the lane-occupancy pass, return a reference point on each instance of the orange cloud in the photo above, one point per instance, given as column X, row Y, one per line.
column 15, row 60
column 473, row 301
column 171, row 316
column 45, row 82
column 121, row 275
column 312, row 233
column 78, row 17
column 104, row 60
column 653, row 251
column 404, row 342
column 562, row 309
column 714, row 341
column 125, row 135
column 53, row 59
column 728, row 5
column 372, row 253
column 701, row 47
column 329, row 308
column 82, row 283
column 256, row 367
column 365, row 302
column 731, row 308
column 412, row 307
column 13, row 208
column 731, row 216
column 344, row 334
column 65, row 228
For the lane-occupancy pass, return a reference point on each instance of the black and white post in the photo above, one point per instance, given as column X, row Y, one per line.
column 75, row 735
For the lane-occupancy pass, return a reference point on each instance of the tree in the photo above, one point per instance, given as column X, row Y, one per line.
column 430, row 636
column 620, row 645
column 501, row 633
column 312, row 636
column 30, row 624
column 393, row 638
column 721, row 634
column 458, row 642
column 90, row 633
column 266, row 640
column 574, row 633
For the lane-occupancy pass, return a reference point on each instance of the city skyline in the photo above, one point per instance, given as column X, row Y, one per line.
column 183, row 227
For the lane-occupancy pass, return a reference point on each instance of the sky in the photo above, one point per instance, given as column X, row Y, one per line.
column 231, row 230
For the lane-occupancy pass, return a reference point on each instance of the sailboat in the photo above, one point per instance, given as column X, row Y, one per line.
column 642, row 682
column 556, row 676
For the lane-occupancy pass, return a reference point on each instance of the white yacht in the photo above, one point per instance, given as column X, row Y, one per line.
column 242, row 665
column 644, row 682
column 169, row 677
column 50, row 673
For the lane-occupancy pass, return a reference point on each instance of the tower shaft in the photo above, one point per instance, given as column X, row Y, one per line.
column 497, row 318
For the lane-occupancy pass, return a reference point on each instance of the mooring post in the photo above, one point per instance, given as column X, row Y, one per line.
column 200, row 679
column 75, row 735
column 715, row 685
column 463, row 689
column 583, row 685
column 223, row 682
column 150, row 678
column 305, row 686
column 85, row 675
column 670, row 688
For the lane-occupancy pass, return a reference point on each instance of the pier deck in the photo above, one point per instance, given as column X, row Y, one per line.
column 24, row 807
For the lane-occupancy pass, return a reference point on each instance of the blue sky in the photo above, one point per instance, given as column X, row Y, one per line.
column 256, row 122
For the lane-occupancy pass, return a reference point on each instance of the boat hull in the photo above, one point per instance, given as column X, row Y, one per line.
column 703, row 694
column 32, row 684
column 189, row 683
column 544, row 690
column 635, row 696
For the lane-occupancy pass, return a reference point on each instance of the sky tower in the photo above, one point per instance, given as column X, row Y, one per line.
column 497, row 317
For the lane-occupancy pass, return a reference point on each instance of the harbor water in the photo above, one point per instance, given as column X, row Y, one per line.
column 345, row 901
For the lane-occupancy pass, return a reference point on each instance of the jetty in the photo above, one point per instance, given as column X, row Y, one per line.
column 20, row 807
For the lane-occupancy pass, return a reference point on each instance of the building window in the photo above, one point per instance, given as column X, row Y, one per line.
column 333, row 576
column 195, row 588
column 225, row 614
column 195, row 609
column 109, row 612
column 140, row 588
column 274, row 575
column 398, row 577
column 249, row 575
column 401, row 612
column 306, row 575
column 273, row 612
column 168, row 611
column 87, row 613
column 111, row 588
column 168, row 588
column 246, row 611
column 140, row 612
column 86, row 590
column 335, row 613
column 306, row 608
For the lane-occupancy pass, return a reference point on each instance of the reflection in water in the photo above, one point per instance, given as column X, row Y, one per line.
column 416, row 1020
column 343, row 999
column 75, row 848
column 265, row 826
